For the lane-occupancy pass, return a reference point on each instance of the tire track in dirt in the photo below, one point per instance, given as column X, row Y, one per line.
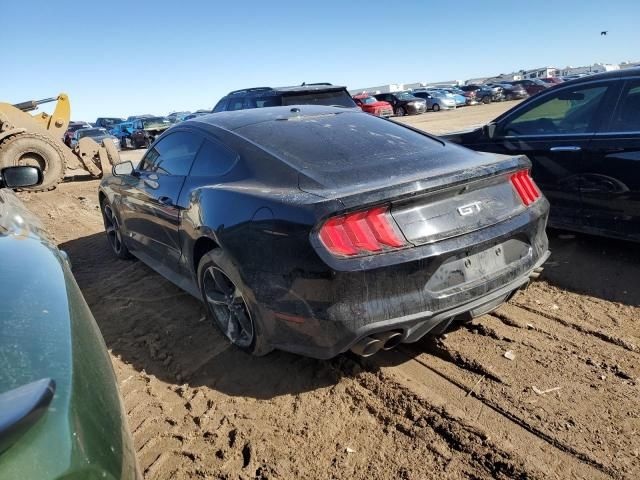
column 592, row 416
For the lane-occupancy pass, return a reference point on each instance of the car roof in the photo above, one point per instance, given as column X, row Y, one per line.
column 622, row 73
column 235, row 119
column 311, row 87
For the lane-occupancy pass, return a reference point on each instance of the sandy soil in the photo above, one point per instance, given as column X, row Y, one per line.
column 566, row 406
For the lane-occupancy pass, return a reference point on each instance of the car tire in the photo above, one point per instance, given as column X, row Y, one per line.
column 227, row 306
column 509, row 97
column 435, row 107
column 486, row 99
column 400, row 112
column 113, row 230
column 38, row 150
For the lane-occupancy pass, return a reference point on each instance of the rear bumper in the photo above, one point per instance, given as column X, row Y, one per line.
column 322, row 315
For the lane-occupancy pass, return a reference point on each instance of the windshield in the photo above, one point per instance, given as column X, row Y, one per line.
column 92, row 132
column 110, row 122
column 368, row 100
column 156, row 122
column 404, row 96
column 338, row 98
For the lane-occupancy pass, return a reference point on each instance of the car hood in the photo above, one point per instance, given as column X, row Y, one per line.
column 100, row 138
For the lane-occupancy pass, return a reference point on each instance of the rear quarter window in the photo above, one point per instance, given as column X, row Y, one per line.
column 213, row 160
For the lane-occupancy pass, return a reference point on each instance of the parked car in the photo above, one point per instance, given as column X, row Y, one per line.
column 583, row 138
column 144, row 131
column 372, row 105
column 71, row 129
column 403, row 103
column 347, row 231
column 97, row 134
column 177, row 117
column 482, row 94
column 497, row 91
column 458, row 96
column 552, row 80
column 513, row 92
column 133, row 118
column 107, row 122
column 305, row 94
column 60, row 411
column 193, row 115
column 436, row 100
column 532, row 86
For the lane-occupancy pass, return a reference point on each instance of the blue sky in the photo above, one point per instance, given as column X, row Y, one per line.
column 117, row 58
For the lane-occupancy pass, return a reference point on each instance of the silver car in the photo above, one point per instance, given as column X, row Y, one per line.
column 97, row 134
column 437, row 100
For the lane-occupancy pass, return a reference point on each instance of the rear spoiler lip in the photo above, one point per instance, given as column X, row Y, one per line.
column 363, row 199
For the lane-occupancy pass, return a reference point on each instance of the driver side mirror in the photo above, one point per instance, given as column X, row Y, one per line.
column 123, row 169
column 20, row 177
column 489, row 130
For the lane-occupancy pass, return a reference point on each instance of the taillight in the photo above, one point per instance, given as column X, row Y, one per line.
column 525, row 187
column 370, row 231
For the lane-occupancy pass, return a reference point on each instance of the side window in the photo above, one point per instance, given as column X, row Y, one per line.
column 220, row 106
column 172, row 155
column 236, row 104
column 213, row 160
column 627, row 115
column 568, row 111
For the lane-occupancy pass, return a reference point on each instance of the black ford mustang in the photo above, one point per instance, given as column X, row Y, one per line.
column 318, row 230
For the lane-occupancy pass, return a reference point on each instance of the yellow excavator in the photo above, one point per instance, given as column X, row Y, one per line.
column 37, row 140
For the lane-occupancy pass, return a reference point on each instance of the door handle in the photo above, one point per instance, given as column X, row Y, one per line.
column 165, row 201
column 565, row 149
column 151, row 183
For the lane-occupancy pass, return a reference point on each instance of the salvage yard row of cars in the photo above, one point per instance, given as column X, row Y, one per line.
column 141, row 130
column 310, row 228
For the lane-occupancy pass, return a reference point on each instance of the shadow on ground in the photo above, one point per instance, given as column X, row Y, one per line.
column 599, row 267
column 156, row 327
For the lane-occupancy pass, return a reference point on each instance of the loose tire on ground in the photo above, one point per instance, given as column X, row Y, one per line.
column 37, row 150
column 215, row 259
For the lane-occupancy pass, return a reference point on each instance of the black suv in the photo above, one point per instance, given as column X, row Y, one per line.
column 305, row 94
column 583, row 138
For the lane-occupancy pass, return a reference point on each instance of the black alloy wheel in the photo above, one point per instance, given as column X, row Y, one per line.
column 228, row 307
column 114, row 233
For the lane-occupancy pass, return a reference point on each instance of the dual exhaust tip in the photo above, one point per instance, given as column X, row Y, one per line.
column 367, row 346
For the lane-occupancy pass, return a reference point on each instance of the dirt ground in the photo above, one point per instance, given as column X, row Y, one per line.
column 566, row 405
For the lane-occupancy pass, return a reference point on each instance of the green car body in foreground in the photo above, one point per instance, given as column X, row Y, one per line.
column 48, row 332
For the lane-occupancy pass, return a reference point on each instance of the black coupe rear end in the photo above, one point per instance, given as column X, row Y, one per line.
column 318, row 230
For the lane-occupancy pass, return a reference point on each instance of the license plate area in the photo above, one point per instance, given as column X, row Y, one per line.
column 469, row 270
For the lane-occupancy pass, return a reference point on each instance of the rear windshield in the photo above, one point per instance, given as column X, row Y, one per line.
column 340, row 98
column 333, row 142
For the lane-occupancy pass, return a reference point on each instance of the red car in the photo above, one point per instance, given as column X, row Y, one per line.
column 532, row 86
column 552, row 80
column 373, row 106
